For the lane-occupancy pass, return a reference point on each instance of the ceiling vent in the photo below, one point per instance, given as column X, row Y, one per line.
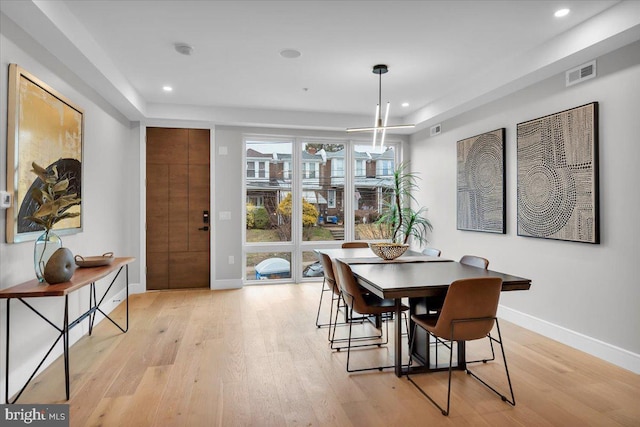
column 579, row 74
column 435, row 130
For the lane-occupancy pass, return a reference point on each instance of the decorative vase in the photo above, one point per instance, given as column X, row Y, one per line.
column 45, row 246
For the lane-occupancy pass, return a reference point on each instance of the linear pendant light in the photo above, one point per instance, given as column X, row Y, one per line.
column 380, row 126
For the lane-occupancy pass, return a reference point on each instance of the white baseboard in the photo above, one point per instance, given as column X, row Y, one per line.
column 136, row 288
column 611, row 353
column 226, row 284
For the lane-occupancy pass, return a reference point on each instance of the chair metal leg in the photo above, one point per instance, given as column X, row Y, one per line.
column 349, row 347
column 349, row 313
column 442, row 410
column 332, row 323
column 493, row 353
column 512, row 402
column 323, row 290
column 450, row 347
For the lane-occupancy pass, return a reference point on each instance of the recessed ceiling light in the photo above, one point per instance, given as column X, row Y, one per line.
column 290, row 53
column 560, row 13
column 167, row 88
column 405, row 104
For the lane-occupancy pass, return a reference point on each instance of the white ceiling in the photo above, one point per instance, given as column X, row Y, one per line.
column 443, row 56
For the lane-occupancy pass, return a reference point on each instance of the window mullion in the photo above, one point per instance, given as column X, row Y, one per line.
column 348, row 219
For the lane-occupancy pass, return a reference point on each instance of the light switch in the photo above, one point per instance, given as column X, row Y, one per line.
column 224, row 215
column 5, row 199
column 222, row 151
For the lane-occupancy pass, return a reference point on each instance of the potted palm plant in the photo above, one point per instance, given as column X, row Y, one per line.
column 398, row 220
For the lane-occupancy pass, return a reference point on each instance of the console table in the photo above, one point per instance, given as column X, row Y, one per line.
column 81, row 278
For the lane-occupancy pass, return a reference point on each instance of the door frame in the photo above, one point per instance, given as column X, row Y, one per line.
column 142, row 129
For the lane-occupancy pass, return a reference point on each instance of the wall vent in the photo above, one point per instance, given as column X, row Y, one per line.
column 435, row 130
column 579, row 74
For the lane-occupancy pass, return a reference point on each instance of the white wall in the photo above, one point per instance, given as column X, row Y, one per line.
column 110, row 205
column 586, row 295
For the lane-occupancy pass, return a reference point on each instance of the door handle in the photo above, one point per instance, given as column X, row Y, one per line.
column 205, row 228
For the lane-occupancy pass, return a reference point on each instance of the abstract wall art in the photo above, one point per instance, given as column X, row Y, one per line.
column 481, row 182
column 558, row 176
column 46, row 128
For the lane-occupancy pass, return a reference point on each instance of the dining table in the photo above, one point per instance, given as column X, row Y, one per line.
column 419, row 278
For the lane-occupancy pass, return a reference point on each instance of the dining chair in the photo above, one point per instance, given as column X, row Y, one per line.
column 364, row 304
column 468, row 313
column 475, row 261
column 328, row 285
column 351, row 245
column 431, row 251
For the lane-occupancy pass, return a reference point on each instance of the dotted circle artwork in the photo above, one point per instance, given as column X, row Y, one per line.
column 557, row 176
column 546, row 200
column 481, row 182
column 484, row 165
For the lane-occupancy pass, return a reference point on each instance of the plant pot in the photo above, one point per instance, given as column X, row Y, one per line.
column 388, row 251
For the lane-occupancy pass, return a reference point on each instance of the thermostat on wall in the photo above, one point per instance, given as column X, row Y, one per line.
column 5, row 199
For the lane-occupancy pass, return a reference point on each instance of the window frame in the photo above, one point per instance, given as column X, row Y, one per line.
column 297, row 246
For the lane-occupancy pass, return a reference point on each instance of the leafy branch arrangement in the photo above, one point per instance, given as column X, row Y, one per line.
column 400, row 220
column 52, row 198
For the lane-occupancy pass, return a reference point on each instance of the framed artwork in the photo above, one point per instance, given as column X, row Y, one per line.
column 46, row 128
column 481, row 183
column 558, row 176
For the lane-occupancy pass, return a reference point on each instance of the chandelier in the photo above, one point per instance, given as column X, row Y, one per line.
column 380, row 126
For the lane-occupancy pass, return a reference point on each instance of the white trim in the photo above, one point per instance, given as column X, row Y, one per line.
column 611, row 353
column 142, row 220
column 226, row 284
column 136, row 288
column 213, row 224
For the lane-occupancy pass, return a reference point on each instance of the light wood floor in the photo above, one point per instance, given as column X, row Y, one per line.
column 253, row 357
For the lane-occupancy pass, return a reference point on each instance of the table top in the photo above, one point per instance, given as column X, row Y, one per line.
column 420, row 279
column 81, row 277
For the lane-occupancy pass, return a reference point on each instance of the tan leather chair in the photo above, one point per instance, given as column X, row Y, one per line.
column 351, row 245
column 362, row 303
column 468, row 313
column 431, row 251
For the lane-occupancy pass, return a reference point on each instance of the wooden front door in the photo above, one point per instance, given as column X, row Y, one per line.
column 177, row 208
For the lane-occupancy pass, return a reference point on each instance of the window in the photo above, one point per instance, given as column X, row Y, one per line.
column 337, row 167
column 302, row 193
column 257, row 201
column 311, row 170
column 286, row 170
column 369, row 191
column 264, row 196
column 262, row 169
column 251, row 169
column 384, row 167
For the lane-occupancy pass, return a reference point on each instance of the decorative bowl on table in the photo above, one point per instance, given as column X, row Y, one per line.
column 388, row 251
column 94, row 261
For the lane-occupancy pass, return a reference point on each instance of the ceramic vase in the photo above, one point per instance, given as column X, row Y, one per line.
column 45, row 246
